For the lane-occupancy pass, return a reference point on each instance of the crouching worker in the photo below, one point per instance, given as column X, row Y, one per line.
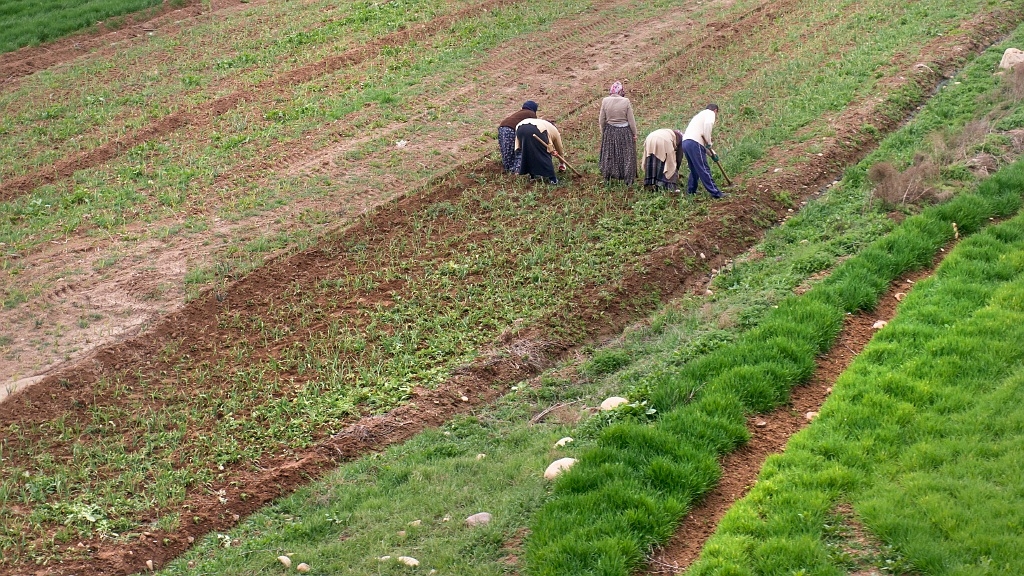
column 663, row 152
column 507, row 136
column 536, row 138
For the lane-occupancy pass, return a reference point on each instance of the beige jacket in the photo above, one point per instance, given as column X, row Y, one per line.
column 664, row 144
column 543, row 126
column 616, row 110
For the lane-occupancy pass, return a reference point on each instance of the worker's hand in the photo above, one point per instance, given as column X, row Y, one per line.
column 714, row 156
column 561, row 167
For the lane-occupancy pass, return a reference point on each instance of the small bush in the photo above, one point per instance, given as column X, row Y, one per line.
column 910, row 187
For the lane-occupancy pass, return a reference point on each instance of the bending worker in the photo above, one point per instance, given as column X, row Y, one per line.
column 663, row 152
column 507, row 136
column 536, row 155
column 696, row 145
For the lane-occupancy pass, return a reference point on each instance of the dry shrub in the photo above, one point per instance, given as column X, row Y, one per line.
column 1013, row 81
column 952, row 148
column 911, row 186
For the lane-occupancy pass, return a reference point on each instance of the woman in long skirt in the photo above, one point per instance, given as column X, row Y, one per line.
column 663, row 153
column 618, row 136
column 510, row 161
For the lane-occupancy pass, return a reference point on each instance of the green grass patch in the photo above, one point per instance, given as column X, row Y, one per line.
column 921, row 437
column 32, row 22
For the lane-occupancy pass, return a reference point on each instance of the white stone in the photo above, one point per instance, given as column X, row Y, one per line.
column 409, row 561
column 1011, row 57
column 760, row 423
column 415, row 522
column 811, row 416
column 303, row 567
column 613, row 403
column 563, row 442
column 481, row 456
column 900, row 296
column 149, row 565
column 479, row 519
column 557, row 467
column 879, row 325
column 285, row 560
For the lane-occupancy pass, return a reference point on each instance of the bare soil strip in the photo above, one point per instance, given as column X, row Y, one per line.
column 769, row 433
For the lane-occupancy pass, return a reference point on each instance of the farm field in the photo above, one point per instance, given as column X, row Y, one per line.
column 241, row 249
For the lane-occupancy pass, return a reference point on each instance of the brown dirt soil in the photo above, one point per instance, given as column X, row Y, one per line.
column 665, row 272
column 770, row 432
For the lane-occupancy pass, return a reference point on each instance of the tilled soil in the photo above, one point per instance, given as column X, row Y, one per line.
column 668, row 271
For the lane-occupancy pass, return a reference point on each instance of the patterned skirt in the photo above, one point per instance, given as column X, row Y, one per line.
column 510, row 160
column 618, row 153
column 654, row 174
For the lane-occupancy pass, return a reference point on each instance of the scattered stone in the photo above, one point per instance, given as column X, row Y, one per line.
column 879, row 325
column 447, row 518
column 384, row 558
column 828, row 390
column 464, row 398
column 191, row 539
column 702, row 256
column 563, row 442
column 760, row 423
column 409, row 561
column 481, row 456
column 613, row 403
column 191, row 564
column 708, row 292
column 479, row 519
column 415, row 522
column 149, row 565
column 900, row 296
column 1011, row 57
column 286, row 561
column 811, row 416
column 401, row 533
column 557, row 467
column 303, row 567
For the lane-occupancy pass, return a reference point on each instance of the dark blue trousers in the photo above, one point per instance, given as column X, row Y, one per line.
column 697, row 160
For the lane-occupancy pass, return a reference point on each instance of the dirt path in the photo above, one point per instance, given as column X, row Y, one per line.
column 769, row 433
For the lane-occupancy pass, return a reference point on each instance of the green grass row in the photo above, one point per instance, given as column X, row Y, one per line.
column 32, row 22
column 628, row 492
column 364, row 510
column 922, row 438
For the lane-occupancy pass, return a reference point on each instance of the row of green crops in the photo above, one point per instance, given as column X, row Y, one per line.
column 923, row 437
column 627, row 492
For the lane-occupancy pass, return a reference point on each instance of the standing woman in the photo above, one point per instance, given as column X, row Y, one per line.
column 663, row 152
column 618, row 136
column 507, row 136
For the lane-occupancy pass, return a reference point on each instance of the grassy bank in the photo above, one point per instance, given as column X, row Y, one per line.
column 919, row 446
